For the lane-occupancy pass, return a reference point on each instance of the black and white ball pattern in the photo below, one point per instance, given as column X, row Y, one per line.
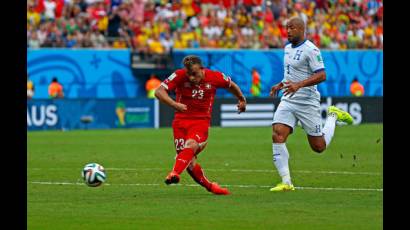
column 93, row 174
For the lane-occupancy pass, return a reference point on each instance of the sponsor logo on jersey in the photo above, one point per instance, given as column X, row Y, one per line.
column 208, row 86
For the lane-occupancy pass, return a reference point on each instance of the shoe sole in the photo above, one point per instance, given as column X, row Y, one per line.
column 283, row 190
column 172, row 180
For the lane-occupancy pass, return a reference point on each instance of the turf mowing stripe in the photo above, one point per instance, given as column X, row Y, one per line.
column 225, row 185
column 232, row 170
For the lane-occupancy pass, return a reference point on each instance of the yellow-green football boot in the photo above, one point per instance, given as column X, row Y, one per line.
column 342, row 116
column 282, row 187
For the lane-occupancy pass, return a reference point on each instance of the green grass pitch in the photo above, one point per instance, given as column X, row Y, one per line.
column 340, row 188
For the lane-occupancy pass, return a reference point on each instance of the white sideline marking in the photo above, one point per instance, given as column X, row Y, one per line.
column 223, row 185
column 232, row 170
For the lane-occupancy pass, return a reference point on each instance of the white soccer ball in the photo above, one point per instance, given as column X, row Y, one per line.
column 93, row 174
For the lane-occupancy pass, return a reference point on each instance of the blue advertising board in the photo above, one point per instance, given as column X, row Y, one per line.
column 64, row 114
column 341, row 68
column 90, row 73
column 84, row 73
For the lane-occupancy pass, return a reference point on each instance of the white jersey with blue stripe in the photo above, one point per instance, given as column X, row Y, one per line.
column 300, row 63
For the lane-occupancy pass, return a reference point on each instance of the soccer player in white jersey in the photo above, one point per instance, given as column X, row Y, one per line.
column 304, row 69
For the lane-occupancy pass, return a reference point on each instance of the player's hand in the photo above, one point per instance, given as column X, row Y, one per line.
column 275, row 90
column 290, row 87
column 241, row 105
column 180, row 107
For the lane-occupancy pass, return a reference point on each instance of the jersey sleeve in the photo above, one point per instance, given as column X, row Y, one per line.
column 316, row 61
column 221, row 80
column 172, row 81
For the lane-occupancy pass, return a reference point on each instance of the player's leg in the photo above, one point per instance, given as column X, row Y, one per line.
column 195, row 170
column 200, row 134
column 334, row 114
column 317, row 143
column 320, row 139
column 283, row 123
column 182, row 161
column 185, row 149
column 311, row 120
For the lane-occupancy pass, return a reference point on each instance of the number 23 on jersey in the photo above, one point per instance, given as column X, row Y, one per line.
column 198, row 94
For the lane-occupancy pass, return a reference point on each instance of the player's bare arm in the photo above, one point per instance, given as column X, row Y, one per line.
column 275, row 89
column 236, row 91
column 162, row 94
column 291, row 87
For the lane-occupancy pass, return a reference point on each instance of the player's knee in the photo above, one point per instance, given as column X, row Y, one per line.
column 192, row 144
column 318, row 147
column 278, row 138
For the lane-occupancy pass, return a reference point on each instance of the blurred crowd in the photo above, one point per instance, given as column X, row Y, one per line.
column 158, row 26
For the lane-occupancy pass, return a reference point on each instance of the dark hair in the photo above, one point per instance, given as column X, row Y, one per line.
column 191, row 60
column 54, row 79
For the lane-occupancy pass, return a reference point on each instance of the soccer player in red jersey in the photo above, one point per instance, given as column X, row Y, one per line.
column 195, row 89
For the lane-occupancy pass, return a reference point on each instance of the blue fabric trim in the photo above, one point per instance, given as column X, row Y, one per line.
column 319, row 70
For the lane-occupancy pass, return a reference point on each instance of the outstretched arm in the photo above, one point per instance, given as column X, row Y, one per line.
column 236, row 91
column 162, row 94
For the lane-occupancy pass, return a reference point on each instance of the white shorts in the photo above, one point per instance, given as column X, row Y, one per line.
column 309, row 116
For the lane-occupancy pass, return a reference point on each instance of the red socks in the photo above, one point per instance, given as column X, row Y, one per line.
column 198, row 175
column 183, row 159
column 181, row 163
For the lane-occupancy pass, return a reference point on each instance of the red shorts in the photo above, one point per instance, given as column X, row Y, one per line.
column 196, row 129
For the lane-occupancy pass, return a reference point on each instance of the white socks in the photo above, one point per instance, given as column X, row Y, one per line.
column 280, row 160
column 281, row 154
column 329, row 128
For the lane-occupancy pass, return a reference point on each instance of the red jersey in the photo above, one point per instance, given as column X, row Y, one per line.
column 198, row 98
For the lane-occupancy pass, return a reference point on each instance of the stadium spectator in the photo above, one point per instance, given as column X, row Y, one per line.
column 277, row 7
column 334, row 42
column 256, row 83
column 33, row 17
column 33, row 41
column 49, row 11
column 353, row 39
column 30, row 88
column 98, row 40
column 330, row 24
column 356, row 89
column 137, row 10
column 151, row 85
column 55, row 89
column 119, row 44
column 156, row 49
column 167, row 42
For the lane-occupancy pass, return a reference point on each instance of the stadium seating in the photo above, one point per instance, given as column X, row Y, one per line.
column 154, row 27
